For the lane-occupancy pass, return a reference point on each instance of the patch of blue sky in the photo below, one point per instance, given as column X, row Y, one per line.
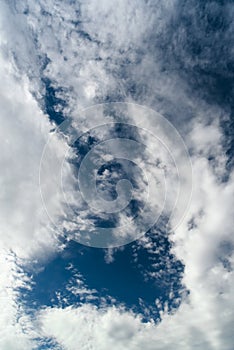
column 125, row 281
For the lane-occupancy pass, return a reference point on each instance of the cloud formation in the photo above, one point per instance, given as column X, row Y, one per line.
column 88, row 52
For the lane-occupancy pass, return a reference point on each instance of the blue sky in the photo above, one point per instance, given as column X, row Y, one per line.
column 117, row 182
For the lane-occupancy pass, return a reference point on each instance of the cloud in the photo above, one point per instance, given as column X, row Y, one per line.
column 15, row 325
column 24, row 132
column 201, row 40
column 204, row 243
column 204, row 319
column 91, row 52
column 109, row 328
column 26, row 234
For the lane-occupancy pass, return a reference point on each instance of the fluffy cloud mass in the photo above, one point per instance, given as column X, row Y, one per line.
column 204, row 242
column 58, row 57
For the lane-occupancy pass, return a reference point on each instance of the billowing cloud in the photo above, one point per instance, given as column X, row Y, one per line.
column 25, row 233
column 60, row 57
column 204, row 243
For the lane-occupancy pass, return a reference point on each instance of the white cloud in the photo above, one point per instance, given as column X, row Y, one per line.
column 15, row 326
column 24, row 132
column 25, row 231
column 92, row 328
column 204, row 320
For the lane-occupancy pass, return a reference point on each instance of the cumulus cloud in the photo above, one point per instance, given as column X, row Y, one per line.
column 25, row 232
column 89, row 52
column 15, row 329
column 204, row 243
column 24, row 132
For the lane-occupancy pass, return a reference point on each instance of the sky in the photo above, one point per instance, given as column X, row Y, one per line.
column 117, row 177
